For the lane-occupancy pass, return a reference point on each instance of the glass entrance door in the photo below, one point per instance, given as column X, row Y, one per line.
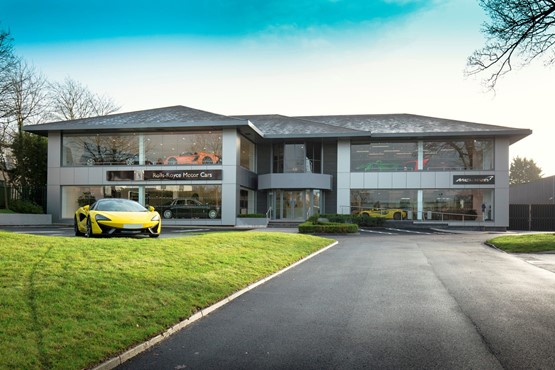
column 295, row 205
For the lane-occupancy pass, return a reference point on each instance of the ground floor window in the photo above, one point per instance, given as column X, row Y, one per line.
column 247, row 201
column 436, row 204
column 294, row 204
column 172, row 201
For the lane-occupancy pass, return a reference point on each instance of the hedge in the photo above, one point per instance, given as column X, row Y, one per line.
column 327, row 228
column 355, row 219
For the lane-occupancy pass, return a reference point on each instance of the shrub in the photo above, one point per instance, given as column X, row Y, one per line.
column 327, row 228
column 356, row 219
column 25, row 206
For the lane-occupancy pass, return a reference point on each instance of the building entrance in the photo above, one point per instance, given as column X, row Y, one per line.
column 295, row 205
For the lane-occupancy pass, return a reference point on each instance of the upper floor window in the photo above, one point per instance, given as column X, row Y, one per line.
column 247, row 158
column 444, row 155
column 298, row 157
column 458, row 155
column 177, row 148
column 384, row 156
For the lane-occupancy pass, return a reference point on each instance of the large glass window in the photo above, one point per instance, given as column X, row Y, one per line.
column 247, row 157
column 458, row 155
column 74, row 197
column 186, row 201
column 451, row 155
column 386, row 156
column 385, row 199
column 172, row 201
column 458, row 204
column 177, row 148
column 437, row 204
column 295, row 158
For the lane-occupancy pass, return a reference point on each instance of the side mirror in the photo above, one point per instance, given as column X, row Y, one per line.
column 150, row 208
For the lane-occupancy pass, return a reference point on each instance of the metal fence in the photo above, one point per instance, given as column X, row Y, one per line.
column 532, row 217
column 36, row 195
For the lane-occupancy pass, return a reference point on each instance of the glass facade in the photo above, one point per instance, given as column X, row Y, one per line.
column 297, row 158
column 436, row 204
column 452, row 155
column 247, row 158
column 172, row 201
column 177, row 148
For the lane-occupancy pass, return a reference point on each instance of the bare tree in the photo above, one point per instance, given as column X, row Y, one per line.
column 519, row 31
column 27, row 96
column 71, row 99
column 8, row 62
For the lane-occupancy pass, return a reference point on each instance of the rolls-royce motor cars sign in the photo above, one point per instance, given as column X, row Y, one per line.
column 154, row 175
column 473, row 180
column 183, row 175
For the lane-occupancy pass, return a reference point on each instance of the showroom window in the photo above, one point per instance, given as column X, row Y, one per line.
column 384, row 199
column 185, row 201
column 458, row 155
column 74, row 197
column 458, row 204
column 176, row 148
column 384, row 156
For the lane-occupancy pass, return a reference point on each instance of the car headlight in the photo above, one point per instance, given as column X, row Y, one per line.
column 102, row 218
column 155, row 218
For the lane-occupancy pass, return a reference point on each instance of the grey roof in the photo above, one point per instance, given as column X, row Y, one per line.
column 151, row 119
column 410, row 125
column 278, row 126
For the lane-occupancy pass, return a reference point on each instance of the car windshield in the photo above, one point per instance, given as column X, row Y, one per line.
column 118, row 205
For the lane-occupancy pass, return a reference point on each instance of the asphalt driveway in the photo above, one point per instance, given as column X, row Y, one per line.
column 381, row 301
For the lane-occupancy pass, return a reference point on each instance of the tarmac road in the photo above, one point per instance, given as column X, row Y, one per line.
column 381, row 301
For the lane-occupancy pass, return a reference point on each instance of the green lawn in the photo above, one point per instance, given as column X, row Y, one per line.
column 525, row 243
column 69, row 303
column 5, row 210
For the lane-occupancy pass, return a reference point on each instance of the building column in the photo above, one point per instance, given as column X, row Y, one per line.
column 343, row 177
column 230, row 188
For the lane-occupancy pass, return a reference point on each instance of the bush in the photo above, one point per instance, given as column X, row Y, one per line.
column 356, row 219
column 25, row 206
column 252, row 215
column 327, row 228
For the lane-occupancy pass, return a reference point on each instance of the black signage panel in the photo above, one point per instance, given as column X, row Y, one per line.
column 187, row 175
column 120, row 175
column 473, row 180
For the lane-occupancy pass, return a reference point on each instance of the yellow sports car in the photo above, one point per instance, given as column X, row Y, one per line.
column 113, row 216
column 390, row 214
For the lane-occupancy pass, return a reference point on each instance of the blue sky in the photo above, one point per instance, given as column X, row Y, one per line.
column 303, row 57
column 69, row 20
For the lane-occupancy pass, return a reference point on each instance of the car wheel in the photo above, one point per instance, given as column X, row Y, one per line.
column 89, row 232
column 76, row 227
column 212, row 213
column 397, row 216
column 172, row 161
column 207, row 160
column 167, row 214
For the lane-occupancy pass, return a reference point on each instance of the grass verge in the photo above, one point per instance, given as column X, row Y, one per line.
column 5, row 210
column 529, row 243
column 69, row 303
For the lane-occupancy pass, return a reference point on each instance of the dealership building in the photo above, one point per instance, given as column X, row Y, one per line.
column 202, row 168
